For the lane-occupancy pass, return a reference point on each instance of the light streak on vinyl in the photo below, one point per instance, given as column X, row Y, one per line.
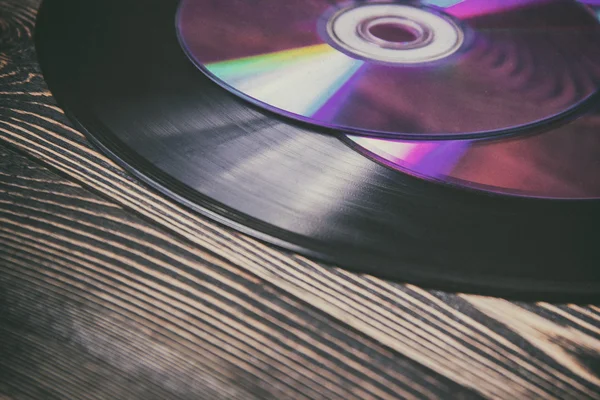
column 429, row 70
column 431, row 159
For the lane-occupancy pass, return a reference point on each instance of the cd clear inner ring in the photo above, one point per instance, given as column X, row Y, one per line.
column 394, row 33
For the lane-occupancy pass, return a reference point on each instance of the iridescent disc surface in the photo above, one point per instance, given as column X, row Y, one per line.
column 404, row 69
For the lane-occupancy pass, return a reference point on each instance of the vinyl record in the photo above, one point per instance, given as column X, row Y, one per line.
column 122, row 70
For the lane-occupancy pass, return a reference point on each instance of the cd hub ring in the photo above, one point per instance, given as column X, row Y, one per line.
column 394, row 33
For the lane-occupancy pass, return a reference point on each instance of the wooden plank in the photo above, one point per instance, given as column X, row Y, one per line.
column 493, row 347
column 87, row 285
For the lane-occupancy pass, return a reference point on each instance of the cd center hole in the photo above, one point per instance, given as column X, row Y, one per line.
column 394, row 32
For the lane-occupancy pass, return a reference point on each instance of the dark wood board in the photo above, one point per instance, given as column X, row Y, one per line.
column 109, row 290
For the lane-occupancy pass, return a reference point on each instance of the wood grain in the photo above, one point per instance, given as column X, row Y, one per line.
column 81, row 271
column 125, row 294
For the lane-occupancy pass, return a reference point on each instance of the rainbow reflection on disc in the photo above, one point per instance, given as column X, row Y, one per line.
column 401, row 69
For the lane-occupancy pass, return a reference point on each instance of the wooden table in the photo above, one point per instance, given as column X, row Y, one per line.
column 108, row 290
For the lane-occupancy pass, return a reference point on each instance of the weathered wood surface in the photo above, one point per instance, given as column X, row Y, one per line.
column 109, row 290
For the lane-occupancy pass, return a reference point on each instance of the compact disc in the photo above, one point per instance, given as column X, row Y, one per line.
column 511, row 213
column 405, row 69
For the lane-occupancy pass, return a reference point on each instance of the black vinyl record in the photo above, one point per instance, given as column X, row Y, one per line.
column 119, row 69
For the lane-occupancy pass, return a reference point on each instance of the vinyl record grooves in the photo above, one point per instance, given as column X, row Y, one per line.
column 500, row 211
